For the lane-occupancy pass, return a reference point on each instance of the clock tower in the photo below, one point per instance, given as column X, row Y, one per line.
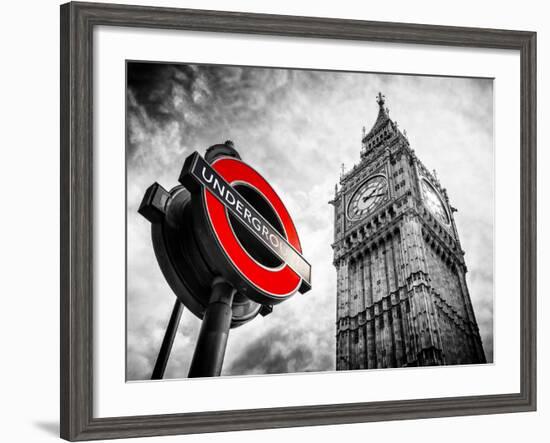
column 402, row 297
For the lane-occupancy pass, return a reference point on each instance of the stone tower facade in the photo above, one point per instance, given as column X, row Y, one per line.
column 402, row 298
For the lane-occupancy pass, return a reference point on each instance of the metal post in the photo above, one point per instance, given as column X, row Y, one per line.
column 168, row 341
column 210, row 349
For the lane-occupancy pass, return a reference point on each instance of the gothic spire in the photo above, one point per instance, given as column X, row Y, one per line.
column 381, row 120
column 383, row 130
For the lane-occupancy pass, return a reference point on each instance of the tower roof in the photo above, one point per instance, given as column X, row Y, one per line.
column 383, row 132
column 381, row 120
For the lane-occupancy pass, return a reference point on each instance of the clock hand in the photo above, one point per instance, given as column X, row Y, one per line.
column 372, row 192
column 368, row 196
column 371, row 195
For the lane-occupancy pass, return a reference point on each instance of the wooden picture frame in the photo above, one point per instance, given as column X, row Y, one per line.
column 77, row 23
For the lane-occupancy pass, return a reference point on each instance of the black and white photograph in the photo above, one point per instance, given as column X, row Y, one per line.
column 288, row 220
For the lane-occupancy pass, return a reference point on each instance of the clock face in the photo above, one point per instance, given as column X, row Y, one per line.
column 434, row 202
column 367, row 197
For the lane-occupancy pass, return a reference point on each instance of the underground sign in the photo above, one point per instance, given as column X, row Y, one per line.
column 244, row 230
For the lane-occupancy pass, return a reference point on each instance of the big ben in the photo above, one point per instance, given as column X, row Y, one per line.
column 402, row 296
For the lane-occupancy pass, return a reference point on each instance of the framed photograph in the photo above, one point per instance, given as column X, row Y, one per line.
column 273, row 221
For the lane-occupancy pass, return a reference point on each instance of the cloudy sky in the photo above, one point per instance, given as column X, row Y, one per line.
column 296, row 127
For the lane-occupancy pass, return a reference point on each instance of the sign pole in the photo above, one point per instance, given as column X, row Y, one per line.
column 210, row 349
column 167, row 342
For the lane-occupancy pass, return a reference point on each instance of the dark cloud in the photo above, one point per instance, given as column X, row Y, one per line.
column 285, row 347
column 297, row 127
column 198, row 98
column 272, row 354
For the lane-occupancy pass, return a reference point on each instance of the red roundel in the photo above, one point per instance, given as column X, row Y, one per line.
column 277, row 282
